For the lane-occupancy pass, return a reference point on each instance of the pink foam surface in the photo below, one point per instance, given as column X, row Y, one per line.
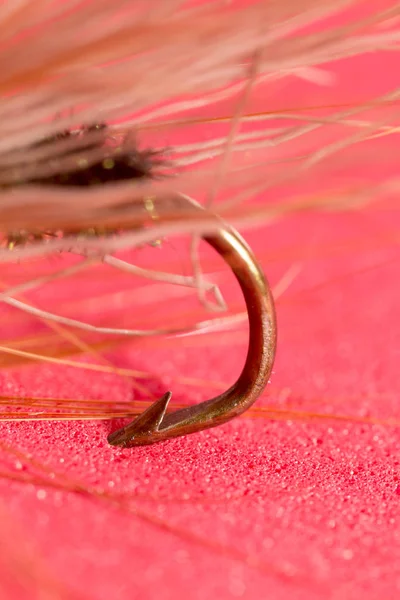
column 297, row 508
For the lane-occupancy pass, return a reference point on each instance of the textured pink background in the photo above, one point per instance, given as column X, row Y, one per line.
column 297, row 508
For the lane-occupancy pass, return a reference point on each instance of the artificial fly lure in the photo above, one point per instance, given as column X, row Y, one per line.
column 154, row 425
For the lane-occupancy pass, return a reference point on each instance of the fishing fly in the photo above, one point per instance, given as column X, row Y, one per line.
column 117, row 165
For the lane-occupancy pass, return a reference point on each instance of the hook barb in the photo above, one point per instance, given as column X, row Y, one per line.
column 147, row 423
column 154, row 425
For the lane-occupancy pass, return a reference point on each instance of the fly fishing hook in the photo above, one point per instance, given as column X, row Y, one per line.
column 154, row 425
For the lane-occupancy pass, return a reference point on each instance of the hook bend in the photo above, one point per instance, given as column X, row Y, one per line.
column 154, row 425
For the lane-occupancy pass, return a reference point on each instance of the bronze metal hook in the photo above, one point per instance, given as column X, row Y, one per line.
column 153, row 425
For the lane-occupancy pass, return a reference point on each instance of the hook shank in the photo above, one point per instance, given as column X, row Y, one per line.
column 153, row 425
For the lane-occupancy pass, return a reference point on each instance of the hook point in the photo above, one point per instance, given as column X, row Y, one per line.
column 148, row 422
